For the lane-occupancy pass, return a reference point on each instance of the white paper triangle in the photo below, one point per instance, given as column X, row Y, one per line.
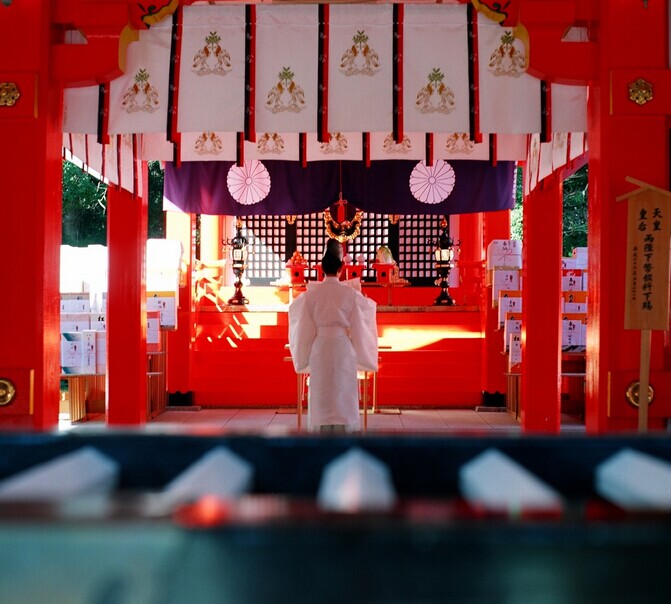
column 354, row 482
column 219, row 472
column 498, row 483
column 635, row 481
column 82, row 472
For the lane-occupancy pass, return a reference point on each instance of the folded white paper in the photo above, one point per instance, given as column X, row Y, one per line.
column 354, row 482
column 219, row 472
column 83, row 472
column 498, row 483
column 635, row 481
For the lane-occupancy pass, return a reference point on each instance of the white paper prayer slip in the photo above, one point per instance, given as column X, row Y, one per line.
column 356, row 482
column 84, row 472
column 635, row 481
column 219, row 472
column 498, row 483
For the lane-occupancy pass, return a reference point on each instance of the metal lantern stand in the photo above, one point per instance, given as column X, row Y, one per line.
column 239, row 262
column 444, row 256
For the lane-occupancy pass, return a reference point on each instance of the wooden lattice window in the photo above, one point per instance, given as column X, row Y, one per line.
column 272, row 241
column 415, row 250
column 310, row 237
column 374, row 233
column 266, row 236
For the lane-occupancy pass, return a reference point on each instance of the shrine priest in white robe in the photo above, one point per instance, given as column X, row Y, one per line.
column 332, row 335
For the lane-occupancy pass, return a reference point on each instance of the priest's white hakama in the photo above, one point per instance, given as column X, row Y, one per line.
column 332, row 334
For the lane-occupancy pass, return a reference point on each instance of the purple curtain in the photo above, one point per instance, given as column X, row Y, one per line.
column 200, row 188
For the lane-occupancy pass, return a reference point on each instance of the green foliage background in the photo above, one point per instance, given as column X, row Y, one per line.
column 574, row 211
column 85, row 206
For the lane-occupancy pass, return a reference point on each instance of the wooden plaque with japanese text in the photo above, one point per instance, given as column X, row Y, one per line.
column 647, row 278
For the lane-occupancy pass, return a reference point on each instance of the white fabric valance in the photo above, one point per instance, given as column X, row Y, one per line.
column 404, row 74
column 434, row 67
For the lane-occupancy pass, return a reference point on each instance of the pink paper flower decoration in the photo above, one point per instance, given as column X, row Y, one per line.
column 432, row 184
column 248, row 184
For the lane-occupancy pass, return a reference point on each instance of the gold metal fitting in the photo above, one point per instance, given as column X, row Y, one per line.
column 631, row 394
column 640, row 91
column 9, row 94
column 7, row 391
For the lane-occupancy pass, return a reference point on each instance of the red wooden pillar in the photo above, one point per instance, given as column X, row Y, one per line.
column 625, row 139
column 126, row 307
column 470, row 258
column 541, row 308
column 496, row 225
column 30, row 217
column 180, row 226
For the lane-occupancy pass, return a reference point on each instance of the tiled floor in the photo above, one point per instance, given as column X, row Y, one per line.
column 284, row 421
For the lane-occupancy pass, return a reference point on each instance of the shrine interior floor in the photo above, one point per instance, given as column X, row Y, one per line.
column 277, row 422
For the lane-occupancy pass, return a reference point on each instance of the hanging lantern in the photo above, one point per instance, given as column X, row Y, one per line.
column 444, row 253
column 238, row 247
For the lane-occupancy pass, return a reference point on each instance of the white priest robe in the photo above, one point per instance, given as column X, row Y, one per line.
column 332, row 334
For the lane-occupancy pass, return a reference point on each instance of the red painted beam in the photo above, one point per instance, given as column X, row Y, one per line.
column 106, row 27
column 547, row 22
column 496, row 226
column 180, row 341
column 541, row 308
column 126, row 308
column 625, row 139
column 30, row 215
column 625, row 82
